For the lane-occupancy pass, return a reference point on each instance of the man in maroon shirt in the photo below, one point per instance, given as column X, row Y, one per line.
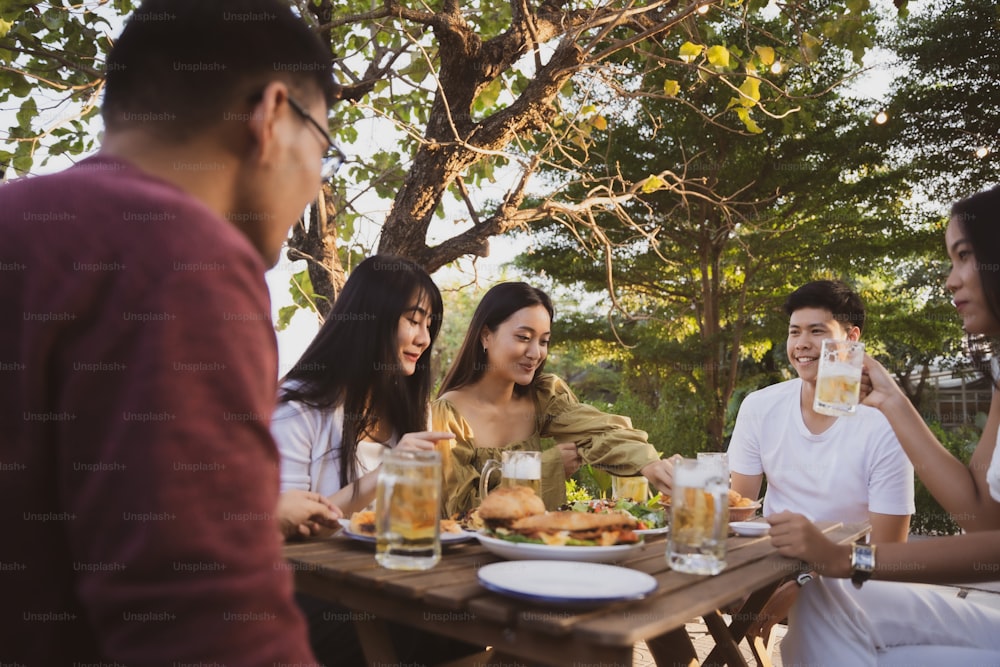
column 138, row 478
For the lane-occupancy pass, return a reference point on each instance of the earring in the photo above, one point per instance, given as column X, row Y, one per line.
column 484, row 349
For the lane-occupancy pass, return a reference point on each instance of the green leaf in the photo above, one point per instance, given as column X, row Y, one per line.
column 719, row 56
column 671, row 87
column 810, row 46
column 689, row 51
column 27, row 113
column 285, row 314
column 488, row 96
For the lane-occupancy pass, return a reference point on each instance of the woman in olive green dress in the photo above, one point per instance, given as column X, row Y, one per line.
column 495, row 397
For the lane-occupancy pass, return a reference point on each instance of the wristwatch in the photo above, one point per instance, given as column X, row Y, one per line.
column 862, row 563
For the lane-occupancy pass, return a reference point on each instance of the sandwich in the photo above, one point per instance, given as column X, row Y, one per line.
column 573, row 529
column 501, row 508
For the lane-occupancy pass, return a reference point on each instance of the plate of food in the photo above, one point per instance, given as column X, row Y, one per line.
column 517, row 527
column 651, row 515
column 749, row 528
column 740, row 508
column 574, row 583
column 361, row 527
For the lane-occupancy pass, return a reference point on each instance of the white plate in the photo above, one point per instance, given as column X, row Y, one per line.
column 528, row 551
column 554, row 581
column 750, row 528
column 446, row 538
column 652, row 531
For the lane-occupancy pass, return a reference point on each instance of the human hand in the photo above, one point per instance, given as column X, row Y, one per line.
column 305, row 513
column 795, row 536
column 570, row 456
column 661, row 473
column 422, row 441
column 877, row 386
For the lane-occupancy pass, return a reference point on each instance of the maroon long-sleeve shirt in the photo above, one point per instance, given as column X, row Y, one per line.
column 138, row 478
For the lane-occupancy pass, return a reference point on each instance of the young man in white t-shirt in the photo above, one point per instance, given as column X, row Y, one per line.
column 848, row 469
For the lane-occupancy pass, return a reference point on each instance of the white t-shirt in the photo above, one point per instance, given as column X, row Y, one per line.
column 309, row 443
column 854, row 467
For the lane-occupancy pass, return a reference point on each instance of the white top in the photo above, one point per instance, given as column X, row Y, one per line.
column 309, row 443
column 993, row 472
column 854, row 467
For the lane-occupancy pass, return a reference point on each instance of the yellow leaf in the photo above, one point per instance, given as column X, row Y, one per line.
column 599, row 122
column 588, row 109
column 744, row 115
column 690, row 51
column 5, row 27
column 671, row 87
column 652, row 184
column 719, row 56
column 766, row 54
column 750, row 92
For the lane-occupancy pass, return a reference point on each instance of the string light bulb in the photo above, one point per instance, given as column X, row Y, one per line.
column 703, row 9
column 881, row 118
column 982, row 152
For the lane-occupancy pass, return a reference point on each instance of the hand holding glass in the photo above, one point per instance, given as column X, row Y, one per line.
column 838, row 380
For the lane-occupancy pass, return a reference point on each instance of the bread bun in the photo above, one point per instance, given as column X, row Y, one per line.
column 505, row 505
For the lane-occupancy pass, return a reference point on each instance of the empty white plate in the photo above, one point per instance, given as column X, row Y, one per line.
column 750, row 528
column 561, row 581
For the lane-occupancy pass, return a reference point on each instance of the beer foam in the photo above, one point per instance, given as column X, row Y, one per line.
column 522, row 467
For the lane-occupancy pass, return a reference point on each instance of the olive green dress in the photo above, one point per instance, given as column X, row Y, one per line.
column 605, row 441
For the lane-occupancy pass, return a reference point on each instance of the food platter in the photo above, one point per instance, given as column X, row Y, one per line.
column 573, row 583
column 530, row 551
column 446, row 538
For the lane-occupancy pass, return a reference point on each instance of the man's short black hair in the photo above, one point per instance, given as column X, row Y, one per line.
column 181, row 65
column 833, row 295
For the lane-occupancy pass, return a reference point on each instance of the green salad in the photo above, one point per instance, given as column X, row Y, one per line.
column 650, row 514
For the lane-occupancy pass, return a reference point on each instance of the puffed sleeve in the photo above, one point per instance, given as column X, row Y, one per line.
column 460, row 487
column 605, row 441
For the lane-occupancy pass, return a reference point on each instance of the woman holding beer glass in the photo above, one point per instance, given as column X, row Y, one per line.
column 885, row 622
column 495, row 398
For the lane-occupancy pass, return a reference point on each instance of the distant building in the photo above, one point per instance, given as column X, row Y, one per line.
column 955, row 397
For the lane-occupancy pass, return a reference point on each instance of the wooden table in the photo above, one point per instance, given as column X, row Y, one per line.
column 448, row 600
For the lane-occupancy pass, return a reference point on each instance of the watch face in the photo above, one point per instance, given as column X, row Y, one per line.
column 864, row 558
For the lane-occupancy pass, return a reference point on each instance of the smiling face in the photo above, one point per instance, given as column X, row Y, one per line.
column 413, row 335
column 807, row 327
column 965, row 284
column 519, row 345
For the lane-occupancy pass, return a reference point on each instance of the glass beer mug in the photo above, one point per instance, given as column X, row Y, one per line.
column 407, row 500
column 517, row 468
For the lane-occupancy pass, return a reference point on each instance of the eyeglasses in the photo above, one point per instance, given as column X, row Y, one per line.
column 334, row 157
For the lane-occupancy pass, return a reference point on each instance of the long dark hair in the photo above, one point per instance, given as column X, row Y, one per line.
column 354, row 359
column 498, row 304
column 979, row 219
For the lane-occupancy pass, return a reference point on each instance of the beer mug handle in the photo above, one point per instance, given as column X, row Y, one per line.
column 491, row 466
